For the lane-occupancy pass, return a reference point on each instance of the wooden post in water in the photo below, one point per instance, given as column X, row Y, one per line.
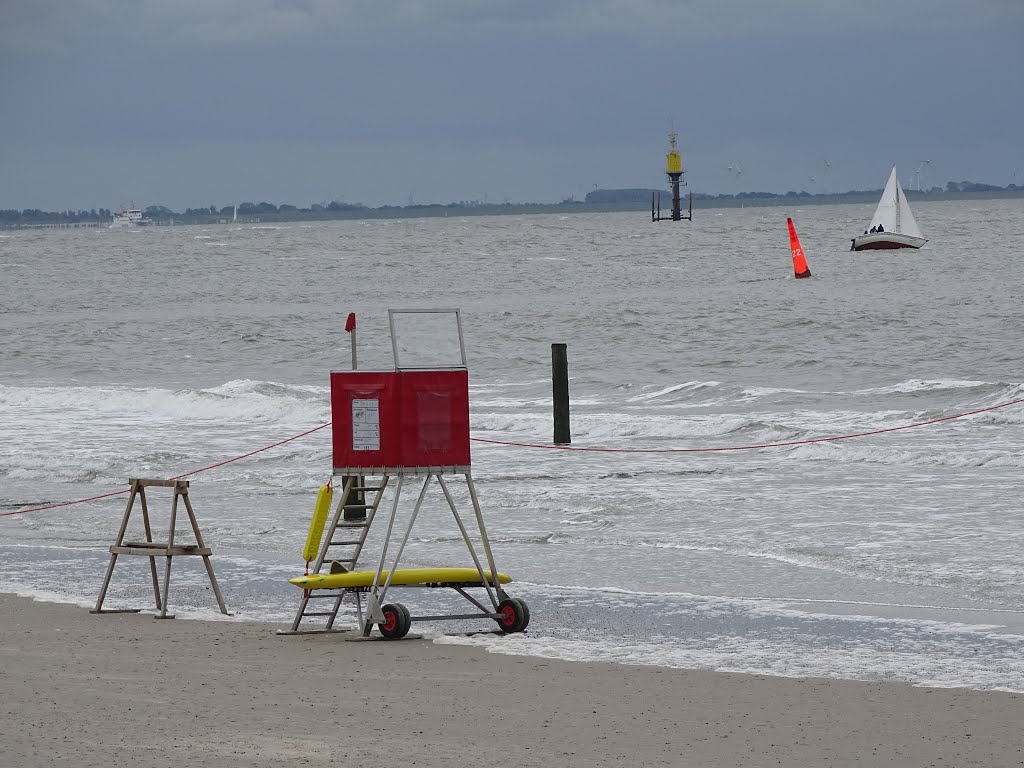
column 560, row 393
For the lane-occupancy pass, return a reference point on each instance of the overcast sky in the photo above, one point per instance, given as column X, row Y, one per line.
column 213, row 102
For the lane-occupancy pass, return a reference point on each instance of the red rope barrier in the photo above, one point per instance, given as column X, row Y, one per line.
column 252, row 453
column 176, row 477
column 748, row 447
column 560, row 448
column 64, row 503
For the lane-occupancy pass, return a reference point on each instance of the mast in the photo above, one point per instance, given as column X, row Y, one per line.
column 898, row 227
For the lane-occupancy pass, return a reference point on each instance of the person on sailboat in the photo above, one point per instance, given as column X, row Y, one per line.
column 881, row 228
column 873, row 230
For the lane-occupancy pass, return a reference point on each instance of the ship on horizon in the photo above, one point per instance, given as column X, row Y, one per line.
column 129, row 217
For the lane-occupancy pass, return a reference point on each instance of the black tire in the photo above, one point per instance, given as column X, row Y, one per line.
column 511, row 614
column 406, row 619
column 526, row 614
column 396, row 621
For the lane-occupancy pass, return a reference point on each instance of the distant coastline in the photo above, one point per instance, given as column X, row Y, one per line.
column 598, row 201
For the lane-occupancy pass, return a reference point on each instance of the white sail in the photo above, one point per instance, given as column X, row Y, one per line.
column 905, row 223
column 885, row 213
column 893, row 211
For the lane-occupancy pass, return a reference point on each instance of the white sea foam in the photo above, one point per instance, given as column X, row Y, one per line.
column 234, row 400
column 923, row 385
column 775, row 657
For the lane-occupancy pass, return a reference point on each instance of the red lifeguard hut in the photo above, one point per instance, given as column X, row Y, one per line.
column 410, row 424
column 400, row 422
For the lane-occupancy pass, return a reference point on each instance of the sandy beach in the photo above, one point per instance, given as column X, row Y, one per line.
column 127, row 690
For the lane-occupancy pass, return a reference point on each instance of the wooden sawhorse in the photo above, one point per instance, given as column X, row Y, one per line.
column 154, row 549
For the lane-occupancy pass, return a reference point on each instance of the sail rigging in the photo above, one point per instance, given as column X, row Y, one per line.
column 893, row 212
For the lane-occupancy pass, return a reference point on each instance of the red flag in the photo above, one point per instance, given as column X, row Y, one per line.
column 350, row 324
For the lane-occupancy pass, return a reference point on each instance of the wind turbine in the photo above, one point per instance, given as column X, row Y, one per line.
column 919, row 171
column 824, row 177
column 734, row 170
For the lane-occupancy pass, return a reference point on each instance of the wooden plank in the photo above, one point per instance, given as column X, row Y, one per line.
column 312, row 631
column 149, row 483
column 117, row 610
column 160, row 550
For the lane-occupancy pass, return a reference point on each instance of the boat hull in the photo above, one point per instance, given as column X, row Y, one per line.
column 884, row 241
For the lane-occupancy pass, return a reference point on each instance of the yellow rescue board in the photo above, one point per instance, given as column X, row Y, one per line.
column 403, row 577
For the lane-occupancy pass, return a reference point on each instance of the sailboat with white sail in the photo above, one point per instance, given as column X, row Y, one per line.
column 893, row 225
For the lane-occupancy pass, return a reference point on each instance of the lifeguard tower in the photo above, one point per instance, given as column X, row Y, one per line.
column 391, row 429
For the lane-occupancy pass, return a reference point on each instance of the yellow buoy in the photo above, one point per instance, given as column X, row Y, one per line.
column 673, row 160
column 316, row 525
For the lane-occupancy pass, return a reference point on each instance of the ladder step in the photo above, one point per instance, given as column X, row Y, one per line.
column 352, row 529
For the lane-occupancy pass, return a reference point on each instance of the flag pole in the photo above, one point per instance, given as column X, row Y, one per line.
column 350, row 327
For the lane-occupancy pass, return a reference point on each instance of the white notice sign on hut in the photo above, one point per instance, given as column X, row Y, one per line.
column 365, row 425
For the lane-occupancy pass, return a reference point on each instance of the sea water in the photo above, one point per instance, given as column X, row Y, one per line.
column 896, row 555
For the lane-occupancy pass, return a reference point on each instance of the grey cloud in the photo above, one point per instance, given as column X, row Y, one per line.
column 534, row 100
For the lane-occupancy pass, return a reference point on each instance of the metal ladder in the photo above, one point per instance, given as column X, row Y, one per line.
column 352, row 535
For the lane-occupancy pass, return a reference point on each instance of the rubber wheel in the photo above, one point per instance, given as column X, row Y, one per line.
column 396, row 621
column 511, row 615
column 406, row 619
column 526, row 614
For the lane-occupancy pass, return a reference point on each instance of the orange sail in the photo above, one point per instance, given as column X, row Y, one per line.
column 800, row 268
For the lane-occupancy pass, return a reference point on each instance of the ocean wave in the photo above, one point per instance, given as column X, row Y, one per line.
column 949, row 455
column 689, row 386
column 235, row 400
column 926, row 385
